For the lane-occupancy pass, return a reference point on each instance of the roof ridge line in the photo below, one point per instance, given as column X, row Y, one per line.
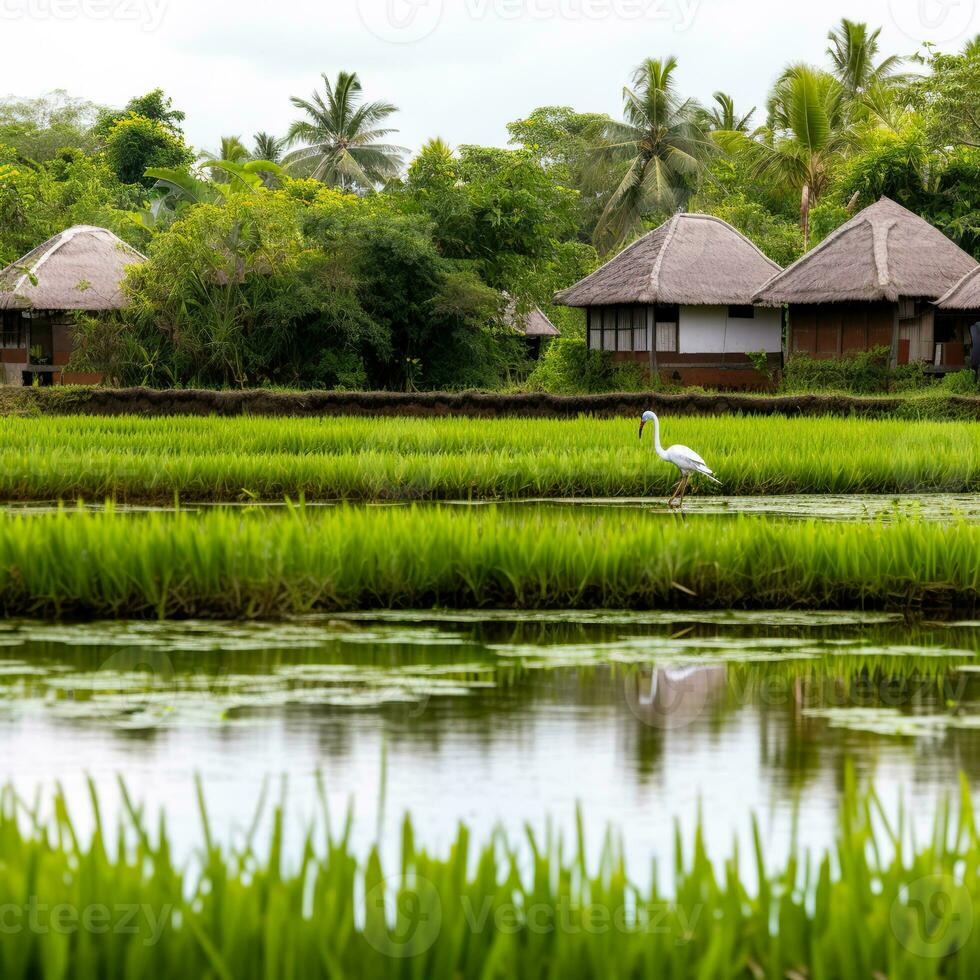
column 879, row 231
column 968, row 277
column 62, row 239
column 608, row 261
column 655, row 271
column 820, row 246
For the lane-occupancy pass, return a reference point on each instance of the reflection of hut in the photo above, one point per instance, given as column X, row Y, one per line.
column 79, row 270
column 961, row 306
column 679, row 301
column 870, row 284
column 533, row 325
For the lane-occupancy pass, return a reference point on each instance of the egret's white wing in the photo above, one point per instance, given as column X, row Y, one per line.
column 684, row 456
column 687, row 459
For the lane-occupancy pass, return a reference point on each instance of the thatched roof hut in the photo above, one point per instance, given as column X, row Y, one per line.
column 80, row 269
column 884, row 253
column 965, row 295
column 691, row 260
column 531, row 323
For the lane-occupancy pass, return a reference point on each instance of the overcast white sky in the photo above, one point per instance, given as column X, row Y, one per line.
column 459, row 69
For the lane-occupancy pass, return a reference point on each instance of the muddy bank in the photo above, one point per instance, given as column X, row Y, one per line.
column 149, row 401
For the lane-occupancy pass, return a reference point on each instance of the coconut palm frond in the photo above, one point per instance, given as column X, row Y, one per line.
column 660, row 144
column 341, row 141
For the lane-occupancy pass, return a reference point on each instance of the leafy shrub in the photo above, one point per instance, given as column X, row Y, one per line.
column 570, row 368
column 911, row 377
column 760, row 361
column 960, row 383
column 862, row 373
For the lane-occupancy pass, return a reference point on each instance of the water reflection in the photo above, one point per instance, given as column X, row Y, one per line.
column 641, row 718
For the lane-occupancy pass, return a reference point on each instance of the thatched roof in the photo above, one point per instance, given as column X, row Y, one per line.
column 693, row 259
column 536, row 324
column 884, row 252
column 80, row 269
column 533, row 323
column 965, row 295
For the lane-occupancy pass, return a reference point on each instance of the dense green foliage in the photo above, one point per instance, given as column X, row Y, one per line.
column 254, row 563
column 409, row 273
column 156, row 459
column 118, row 903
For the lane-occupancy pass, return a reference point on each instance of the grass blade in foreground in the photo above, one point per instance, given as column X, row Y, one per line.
column 253, row 563
column 118, row 906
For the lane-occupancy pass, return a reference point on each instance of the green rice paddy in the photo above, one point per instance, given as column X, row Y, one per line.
column 216, row 459
column 249, row 563
column 119, row 905
column 126, row 902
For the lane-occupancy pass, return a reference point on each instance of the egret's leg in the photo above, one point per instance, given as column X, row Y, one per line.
column 673, row 493
column 675, row 500
column 684, row 482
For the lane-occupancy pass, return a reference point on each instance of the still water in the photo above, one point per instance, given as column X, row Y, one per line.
column 940, row 507
column 506, row 719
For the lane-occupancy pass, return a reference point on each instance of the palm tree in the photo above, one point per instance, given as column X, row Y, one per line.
column 231, row 149
column 724, row 118
column 661, row 145
column 807, row 131
column 853, row 50
column 341, row 140
column 267, row 147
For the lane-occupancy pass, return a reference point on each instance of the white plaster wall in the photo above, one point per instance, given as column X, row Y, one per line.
column 709, row 330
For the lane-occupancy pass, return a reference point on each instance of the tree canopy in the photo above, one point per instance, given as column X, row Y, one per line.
column 325, row 255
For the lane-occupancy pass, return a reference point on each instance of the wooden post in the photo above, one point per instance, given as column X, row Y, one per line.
column 785, row 337
column 652, row 328
column 893, row 359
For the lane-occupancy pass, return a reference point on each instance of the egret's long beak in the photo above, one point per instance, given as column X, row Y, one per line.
column 641, row 428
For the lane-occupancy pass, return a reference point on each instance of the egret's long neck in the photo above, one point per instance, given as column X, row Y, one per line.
column 656, row 438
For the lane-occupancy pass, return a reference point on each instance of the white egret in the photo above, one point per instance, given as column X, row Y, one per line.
column 685, row 459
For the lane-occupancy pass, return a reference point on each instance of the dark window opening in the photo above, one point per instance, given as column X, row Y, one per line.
column 11, row 330
column 741, row 312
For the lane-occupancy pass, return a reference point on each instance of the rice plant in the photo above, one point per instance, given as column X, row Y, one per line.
column 219, row 459
column 253, row 563
column 119, row 904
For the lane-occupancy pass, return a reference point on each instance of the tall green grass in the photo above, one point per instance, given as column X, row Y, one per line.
column 118, row 905
column 153, row 459
column 253, row 563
